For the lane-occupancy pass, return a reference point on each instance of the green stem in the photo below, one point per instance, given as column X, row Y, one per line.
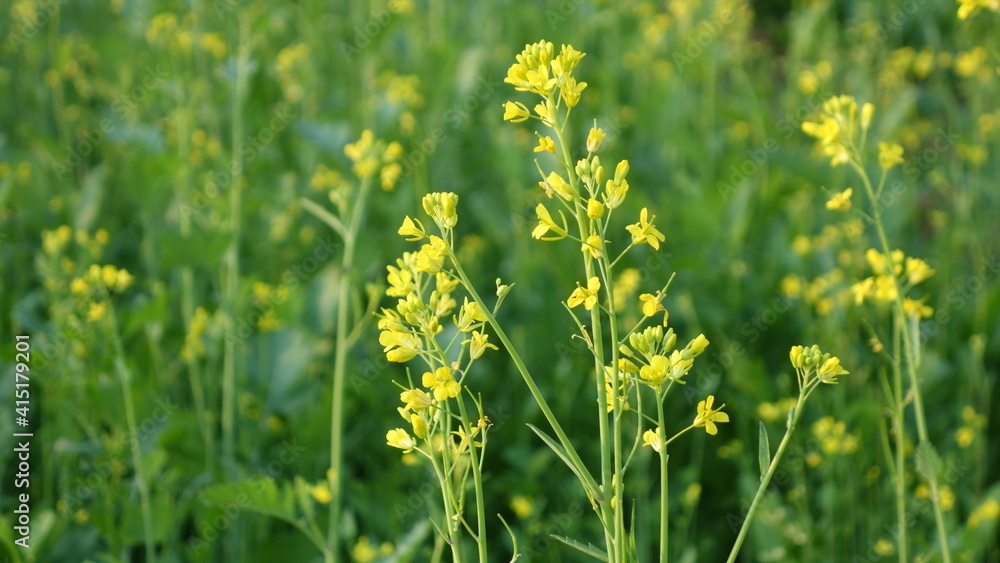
column 664, row 491
column 911, row 364
column 133, row 437
column 340, row 365
column 589, row 484
column 762, row 489
column 613, row 540
column 231, row 286
column 898, row 413
column 477, row 479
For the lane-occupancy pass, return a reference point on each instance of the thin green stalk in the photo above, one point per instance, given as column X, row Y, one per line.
column 664, row 491
column 232, row 274
column 477, row 479
column 911, row 364
column 589, row 484
column 898, row 413
column 340, row 365
column 133, row 437
column 762, row 489
column 612, row 540
column 187, row 301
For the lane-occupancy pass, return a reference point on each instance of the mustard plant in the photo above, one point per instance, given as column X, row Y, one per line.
column 443, row 430
column 841, row 130
column 372, row 161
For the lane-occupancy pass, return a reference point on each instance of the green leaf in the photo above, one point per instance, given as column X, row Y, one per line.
column 763, row 452
column 927, row 461
column 588, row 549
column 578, row 471
column 200, row 249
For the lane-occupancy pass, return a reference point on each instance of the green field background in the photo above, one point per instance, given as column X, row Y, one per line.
column 122, row 121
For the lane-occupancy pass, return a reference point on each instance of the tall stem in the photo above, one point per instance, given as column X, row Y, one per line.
column 477, row 479
column 588, row 481
column 340, row 365
column 133, row 437
column 612, row 539
column 664, row 490
column 911, row 364
column 232, row 275
column 898, row 413
column 762, row 489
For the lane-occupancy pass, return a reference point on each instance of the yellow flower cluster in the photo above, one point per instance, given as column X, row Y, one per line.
column 97, row 285
column 369, row 155
column 193, row 347
column 833, row 436
column 813, row 365
column 651, row 354
column 969, row 8
column 291, row 66
column 424, row 290
column 893, row 275
column 839, row 129
column 540, row 71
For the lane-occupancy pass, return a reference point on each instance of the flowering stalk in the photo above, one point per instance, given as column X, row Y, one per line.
column 841, row 133
column 812, row 368
column 645, row 359
column 368, row 157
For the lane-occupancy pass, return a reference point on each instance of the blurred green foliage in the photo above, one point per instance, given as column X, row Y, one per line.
column 119, row 116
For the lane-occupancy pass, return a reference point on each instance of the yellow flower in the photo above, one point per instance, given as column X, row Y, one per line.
column 123, row 280
column 652, row 439
column 830, row 369
column 430, row 259
column 595, row 209
column 419, row 426
column 442, row 383
column 645, row 232
column 555, row 183
column 917, row 270
column 78, row 286
column 546, row 144
column 867, row 110
column 989, row 510
column 399, row 438
column 515, row 112
column 914, row 308
column 841, row 201
column 399, row 346
column 707, row 417
column 964, row 436
column 656, row 372
column 889, row 155
column 593, row 245
column 412, row 228
column 390, row 175
column 522, row 506
column 545, row 224
column 586, row 296
column 478, row 344
column 594, row 139
column 415, row 399
column 321, row 493
column 651, row 304
column 96, row 311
